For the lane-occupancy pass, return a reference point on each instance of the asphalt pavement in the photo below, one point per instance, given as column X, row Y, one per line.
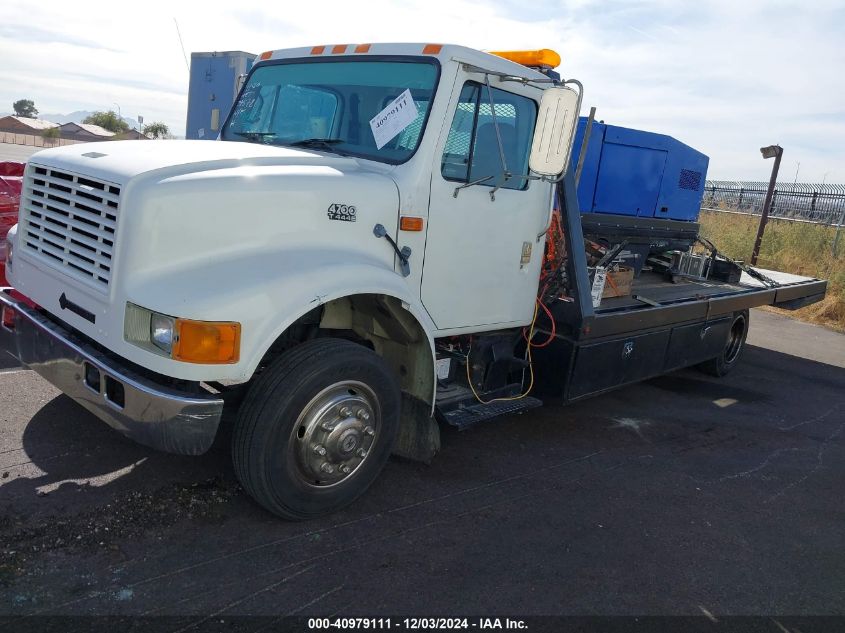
column 682, row 495
column 17, row 153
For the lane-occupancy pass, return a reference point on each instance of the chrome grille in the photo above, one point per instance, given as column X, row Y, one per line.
column 70, row 220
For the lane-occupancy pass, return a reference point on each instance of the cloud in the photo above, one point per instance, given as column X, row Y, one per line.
column 723, row 76
column 31, row 33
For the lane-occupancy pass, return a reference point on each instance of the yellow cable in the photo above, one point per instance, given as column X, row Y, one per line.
column 530, row 367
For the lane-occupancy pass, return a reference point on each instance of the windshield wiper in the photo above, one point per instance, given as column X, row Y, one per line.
column 251, row 135
column 325, row 143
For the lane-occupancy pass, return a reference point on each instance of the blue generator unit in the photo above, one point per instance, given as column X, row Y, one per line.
column 639, row 174
column 214, row 84
column 639, row 187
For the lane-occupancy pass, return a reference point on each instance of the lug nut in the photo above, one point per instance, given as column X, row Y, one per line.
column 320, row 450
column 344, row 469
column 362, row 453
column 369, row 430
column 345, row 412
column 363, row 415
column 327, row 468
column 328, row 427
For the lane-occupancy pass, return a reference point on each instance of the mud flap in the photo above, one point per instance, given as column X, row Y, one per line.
column 419, row 434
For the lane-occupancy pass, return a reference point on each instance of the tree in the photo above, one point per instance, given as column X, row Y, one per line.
column 157, row 130
column 108, row 120
column 25, row 108
column 51, row 134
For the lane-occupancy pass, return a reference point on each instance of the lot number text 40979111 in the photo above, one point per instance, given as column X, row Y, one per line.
column 415, row 624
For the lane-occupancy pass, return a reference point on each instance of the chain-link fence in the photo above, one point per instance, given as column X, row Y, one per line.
column 33, row 140
column 818, row 203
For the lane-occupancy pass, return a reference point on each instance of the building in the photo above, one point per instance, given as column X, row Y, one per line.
column 131, row 135
column 84, row 132
column 24, row 125
column 215, row 81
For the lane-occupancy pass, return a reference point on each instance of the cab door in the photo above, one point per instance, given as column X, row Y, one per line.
column 483, row 253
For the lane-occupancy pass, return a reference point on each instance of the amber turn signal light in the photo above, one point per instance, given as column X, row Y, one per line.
column 207, row 342
column 410, row 223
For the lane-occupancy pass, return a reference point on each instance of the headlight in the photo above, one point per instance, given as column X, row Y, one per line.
column 206, row 342
column 161, row 331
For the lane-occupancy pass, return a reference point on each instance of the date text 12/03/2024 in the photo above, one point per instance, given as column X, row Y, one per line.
column 413, row 624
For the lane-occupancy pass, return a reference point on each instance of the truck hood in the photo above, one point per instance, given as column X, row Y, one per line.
column 214, row 231
column 119, row 161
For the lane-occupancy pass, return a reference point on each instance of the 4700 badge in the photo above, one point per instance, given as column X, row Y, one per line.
column 343, row 212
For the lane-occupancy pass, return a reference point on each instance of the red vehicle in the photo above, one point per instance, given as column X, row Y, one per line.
column 11, row 176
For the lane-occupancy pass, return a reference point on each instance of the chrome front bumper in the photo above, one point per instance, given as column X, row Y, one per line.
column 149, row 413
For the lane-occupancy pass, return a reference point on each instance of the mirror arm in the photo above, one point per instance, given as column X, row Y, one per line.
column 470, row 184
column 496, row 124
column 506, row 176
column 471, row 68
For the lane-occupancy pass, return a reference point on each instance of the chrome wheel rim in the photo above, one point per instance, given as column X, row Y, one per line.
column 735, row 340
column 335, row 433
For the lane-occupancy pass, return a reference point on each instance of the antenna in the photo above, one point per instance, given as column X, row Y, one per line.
column 181, row 44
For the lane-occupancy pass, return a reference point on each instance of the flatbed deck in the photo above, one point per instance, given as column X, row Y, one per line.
column 655, row 288
column 659, row 327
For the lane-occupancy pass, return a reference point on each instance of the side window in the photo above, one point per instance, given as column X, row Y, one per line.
column 472, row 148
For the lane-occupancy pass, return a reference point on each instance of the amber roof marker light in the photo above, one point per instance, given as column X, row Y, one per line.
column 542, row 58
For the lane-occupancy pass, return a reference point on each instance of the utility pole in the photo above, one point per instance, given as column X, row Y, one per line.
column 776, row 152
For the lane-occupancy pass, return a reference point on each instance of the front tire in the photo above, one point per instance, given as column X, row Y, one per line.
column 734, row 347
column 316, row 428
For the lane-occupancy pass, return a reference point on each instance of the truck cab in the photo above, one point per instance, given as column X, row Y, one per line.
column 421, row 122
column 374, row 197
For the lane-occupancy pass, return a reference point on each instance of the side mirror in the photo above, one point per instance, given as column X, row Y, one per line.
column 555, row 130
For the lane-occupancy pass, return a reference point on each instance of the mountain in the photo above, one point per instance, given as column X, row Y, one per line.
column 75, row 117
column 79, row 116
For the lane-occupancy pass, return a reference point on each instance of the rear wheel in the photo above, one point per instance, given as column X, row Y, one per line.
column 316, row 428
column 734, row 347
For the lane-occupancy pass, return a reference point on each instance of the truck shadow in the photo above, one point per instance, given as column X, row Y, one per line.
column 7, row 361
column 753, row 378
column 70, row 462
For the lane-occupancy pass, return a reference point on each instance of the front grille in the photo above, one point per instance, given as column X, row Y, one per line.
column 70, row 221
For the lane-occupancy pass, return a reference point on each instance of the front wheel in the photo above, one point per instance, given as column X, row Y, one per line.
column 316, row 428
column 734, row 347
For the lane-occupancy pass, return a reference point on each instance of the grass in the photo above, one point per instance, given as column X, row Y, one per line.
column 793, row 247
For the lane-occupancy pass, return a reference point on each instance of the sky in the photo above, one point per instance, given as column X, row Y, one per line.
column 724, row 76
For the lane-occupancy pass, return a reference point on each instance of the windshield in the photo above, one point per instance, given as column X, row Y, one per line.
column 369, row 108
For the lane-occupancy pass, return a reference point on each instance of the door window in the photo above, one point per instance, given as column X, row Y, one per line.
column 472, row 148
